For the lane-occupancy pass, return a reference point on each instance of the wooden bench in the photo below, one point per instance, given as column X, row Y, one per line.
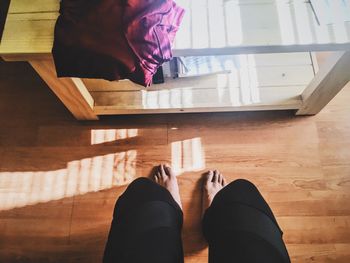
column 274, row 41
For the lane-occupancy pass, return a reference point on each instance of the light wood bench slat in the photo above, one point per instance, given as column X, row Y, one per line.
column 249, row 27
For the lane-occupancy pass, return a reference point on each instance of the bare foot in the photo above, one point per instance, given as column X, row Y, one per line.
column 214, row 181
column 166, row 178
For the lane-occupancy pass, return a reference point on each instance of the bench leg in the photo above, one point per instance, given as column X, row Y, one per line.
column 71, row 91
column 333, row 75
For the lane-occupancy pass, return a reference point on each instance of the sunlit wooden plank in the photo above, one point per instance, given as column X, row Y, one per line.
column 208, row 27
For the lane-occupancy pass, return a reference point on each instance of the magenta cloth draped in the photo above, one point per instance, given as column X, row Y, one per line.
column 114, row 39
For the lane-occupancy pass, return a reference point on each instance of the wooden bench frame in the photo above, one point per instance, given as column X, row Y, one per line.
column 331, row 77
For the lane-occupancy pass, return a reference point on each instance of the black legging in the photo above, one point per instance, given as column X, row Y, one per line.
column 239, row 227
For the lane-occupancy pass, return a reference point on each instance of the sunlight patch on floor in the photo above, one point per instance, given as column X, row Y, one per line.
column 108, row 135
column 19, row 189
column 187, row 156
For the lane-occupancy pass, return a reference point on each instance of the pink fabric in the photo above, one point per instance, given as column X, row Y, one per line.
column 150, row 31
column 115, row 39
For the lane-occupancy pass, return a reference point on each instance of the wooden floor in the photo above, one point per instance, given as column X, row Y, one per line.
column 59, row 178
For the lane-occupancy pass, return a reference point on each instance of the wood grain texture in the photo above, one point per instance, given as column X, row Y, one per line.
column 329, row 80
column 71, row 91
column 59, row 178
column 208, row 27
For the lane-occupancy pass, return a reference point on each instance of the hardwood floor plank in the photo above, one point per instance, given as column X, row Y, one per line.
column 108, row 135
column 323, row 253
column 315, row 229
column 30, row 227
column 59, row 179
column 273, row 132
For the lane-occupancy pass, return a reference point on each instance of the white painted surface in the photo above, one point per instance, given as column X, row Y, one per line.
column 245, row 26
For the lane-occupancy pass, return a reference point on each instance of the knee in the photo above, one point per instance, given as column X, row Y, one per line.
column 242, row 183
column 139, row 181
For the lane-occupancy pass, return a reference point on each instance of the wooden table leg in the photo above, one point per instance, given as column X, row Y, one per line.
column 71, row 91
column 333, row 75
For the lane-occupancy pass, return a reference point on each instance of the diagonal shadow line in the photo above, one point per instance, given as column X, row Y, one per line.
column 4, row 7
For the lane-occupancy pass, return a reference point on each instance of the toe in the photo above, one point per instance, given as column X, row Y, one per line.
column 159, row 175
column 220, row 178
column 162, row 170
column 168, row 170
column 223, row 183
column 209, row 176
column 216, row 176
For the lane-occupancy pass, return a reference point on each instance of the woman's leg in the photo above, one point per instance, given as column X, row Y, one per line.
column 147, row 222
column 238, row 223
